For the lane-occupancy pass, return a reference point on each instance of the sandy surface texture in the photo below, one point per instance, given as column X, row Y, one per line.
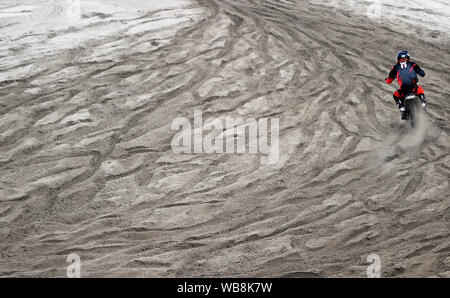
column 88, row 95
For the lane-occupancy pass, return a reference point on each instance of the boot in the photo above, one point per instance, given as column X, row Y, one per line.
column 422, row 99
column 404, row 114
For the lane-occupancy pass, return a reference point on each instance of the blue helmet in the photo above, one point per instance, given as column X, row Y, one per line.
column 403, row 56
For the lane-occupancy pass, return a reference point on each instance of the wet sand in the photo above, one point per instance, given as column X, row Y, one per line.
column 86, row 164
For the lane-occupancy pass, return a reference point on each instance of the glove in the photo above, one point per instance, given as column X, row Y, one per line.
column 402, row 109
column 424, row 105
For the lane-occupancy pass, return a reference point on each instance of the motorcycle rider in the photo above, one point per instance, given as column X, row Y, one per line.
column 406, row 73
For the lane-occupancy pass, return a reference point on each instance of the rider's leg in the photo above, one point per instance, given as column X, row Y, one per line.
column 399, row 98
column 421, row 93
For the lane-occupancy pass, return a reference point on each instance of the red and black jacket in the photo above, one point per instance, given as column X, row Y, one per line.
column 406, row 77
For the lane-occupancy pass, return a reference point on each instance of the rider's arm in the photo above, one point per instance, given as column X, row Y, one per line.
column 392, row 75
column 419, row 70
